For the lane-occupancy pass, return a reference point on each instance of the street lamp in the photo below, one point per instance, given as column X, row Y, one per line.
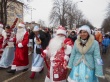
column 31, row 12
column 30, row 8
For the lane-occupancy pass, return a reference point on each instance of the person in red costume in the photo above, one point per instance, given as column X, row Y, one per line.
column 1, row 39
column 58, row 52
column 21, row 60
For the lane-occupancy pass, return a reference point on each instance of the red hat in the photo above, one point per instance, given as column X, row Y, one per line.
column 21, row 24
column 1, row 25
column 61, row 30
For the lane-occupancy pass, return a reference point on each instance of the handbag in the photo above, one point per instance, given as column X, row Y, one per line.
column 38, row 50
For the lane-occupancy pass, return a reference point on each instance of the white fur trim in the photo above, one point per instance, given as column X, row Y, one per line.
column 66, row 58
column 21, row 67
column 50, row 80
column 36, row 28
column 52, row 58
column 47, row 79
column 45, row 51
column 100, row 76
column 68, row 67
column 68, row 50
column 4, row 66
column 85, row 28
column 21, row 25
column 88, row 44
column 1, row 25
column 61, row 32
column 30, row 40
column 20, row 45
column 4, row 34
column 13, row 67
column 37, row 69
column 70, row 80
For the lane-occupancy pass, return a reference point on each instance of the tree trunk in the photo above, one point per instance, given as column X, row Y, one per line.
column 1, row 18
column 5, row 12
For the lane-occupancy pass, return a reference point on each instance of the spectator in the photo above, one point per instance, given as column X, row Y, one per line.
column 105, row 43
column 73, row 36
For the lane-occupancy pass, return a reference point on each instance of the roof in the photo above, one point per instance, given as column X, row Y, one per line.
column 17, row 1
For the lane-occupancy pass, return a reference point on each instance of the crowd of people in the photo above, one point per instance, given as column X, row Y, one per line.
column 77, row 52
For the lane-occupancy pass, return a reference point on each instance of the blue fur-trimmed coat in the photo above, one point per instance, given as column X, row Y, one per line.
column 90, row 54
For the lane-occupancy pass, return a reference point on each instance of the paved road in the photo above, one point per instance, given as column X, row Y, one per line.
column 24, row 76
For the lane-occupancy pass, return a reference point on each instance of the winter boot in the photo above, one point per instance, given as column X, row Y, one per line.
column 11, row 71
column 32, row 75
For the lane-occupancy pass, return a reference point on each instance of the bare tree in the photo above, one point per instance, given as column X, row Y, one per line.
column 106, row 24
column 58, row 14
column 106, row 21
column 108, row 10
column 71, row 12
column 3, row 11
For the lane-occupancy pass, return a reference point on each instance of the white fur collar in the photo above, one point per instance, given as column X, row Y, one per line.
column 84, row 49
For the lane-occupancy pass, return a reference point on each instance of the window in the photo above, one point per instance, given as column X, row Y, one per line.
column 12, row 7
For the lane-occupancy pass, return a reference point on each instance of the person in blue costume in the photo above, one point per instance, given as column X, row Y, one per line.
column 8, row 53
column 37, row 61
column 85, row 61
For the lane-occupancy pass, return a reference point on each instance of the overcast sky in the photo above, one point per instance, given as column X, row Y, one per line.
column 93, row 10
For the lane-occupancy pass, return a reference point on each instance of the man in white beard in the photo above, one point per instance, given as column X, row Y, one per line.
column 21, row 52
column 58, row 52
column 1, row 39
column 20, row 34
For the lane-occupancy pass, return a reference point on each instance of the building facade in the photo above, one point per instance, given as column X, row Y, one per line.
column 14, row 10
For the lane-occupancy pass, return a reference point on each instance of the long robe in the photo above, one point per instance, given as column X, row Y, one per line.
column 7, row 56
column 57, row 72
column 37, row 61
column 21, row 60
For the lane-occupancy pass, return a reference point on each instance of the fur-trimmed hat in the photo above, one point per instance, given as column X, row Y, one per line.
column 61, row 30
column 85, row 28
column 21, row 24
column 1, row 25
column 36, row 28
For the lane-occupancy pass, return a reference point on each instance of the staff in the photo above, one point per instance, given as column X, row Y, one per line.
column 9, row 33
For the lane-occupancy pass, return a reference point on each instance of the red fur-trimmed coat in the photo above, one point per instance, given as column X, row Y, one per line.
column 57, row 71
column 21, row 52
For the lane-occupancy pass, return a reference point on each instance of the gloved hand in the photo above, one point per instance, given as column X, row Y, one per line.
column 43, row 54
column 20, row 45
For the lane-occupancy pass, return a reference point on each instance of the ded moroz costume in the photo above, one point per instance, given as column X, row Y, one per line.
column 21, row 52
column 58, row 52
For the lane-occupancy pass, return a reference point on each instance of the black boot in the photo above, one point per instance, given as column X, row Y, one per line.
column 25, row 70
column 41, row 70
column 11, row 71
column 1, row 68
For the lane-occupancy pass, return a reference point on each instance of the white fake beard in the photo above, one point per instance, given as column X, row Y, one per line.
column 4, row 34
column 1, row 29
column 55, row 45
column 20, row 34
